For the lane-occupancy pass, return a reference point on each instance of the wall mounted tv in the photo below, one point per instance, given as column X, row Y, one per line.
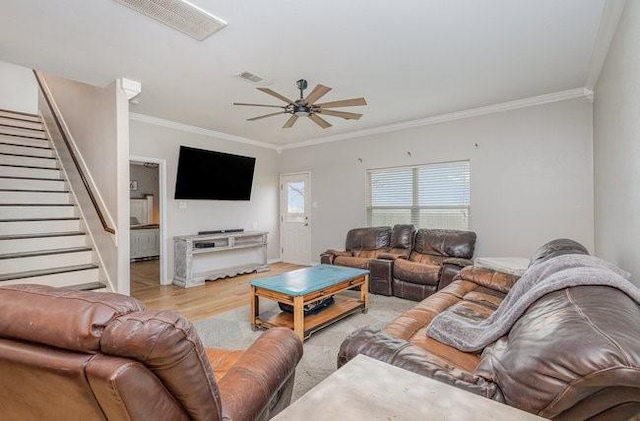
column 210, row 175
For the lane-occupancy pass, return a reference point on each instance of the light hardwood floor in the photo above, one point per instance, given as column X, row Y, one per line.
column 198, row 302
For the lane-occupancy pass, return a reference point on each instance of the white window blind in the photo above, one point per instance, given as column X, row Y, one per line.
column 428, row 196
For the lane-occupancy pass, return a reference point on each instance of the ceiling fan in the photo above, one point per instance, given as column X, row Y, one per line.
column 307, row 107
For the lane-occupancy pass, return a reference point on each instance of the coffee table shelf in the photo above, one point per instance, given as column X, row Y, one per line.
column 341, row 308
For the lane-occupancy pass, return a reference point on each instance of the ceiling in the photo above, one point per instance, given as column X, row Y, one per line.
column 410, row 59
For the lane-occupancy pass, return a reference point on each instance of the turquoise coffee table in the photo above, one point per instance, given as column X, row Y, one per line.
column 305, row 286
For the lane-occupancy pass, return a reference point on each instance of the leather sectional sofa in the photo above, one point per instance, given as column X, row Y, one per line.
column 95, row 355
column 403, row 261
column 574, row 354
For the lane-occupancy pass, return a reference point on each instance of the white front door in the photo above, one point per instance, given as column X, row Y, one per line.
column 295, row 232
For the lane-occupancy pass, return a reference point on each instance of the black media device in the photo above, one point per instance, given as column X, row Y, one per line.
column 204, row 244
column 211, row 175
column 220, row 231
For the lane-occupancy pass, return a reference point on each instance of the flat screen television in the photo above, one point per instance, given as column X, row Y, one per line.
column 211, row 175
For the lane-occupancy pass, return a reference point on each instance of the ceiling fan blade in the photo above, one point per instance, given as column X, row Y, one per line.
column 292, row 120
column 258, row 105
column 343, row 103
column 265, row 116
column 275, row 94
column 343, row 114
column 318, row 92
column 319, row 121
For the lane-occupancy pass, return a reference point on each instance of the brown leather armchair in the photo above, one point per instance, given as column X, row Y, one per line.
column 437, row 256
column 85, row 355
column 362, row 246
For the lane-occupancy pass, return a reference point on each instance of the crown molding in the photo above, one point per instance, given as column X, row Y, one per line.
column 442, row 118
column 606, row 31
column 198, row 130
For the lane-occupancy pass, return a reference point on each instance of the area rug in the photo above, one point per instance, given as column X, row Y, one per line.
column 232, row 330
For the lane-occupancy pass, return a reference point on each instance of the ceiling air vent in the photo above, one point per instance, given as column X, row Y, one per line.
column 250, row 77
column 179, row 14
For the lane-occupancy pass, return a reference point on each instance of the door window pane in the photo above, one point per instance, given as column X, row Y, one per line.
column 295, row 201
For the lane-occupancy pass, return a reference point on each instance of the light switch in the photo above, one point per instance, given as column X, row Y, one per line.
column 182, row 205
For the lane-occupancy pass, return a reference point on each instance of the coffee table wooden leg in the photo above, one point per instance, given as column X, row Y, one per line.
column 298, row 316
column 255, row 307
column 364, row 296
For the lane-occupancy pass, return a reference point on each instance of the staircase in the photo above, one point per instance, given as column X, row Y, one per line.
column 42, row 239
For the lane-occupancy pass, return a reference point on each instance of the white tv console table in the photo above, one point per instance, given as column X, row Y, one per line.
column 211, row 256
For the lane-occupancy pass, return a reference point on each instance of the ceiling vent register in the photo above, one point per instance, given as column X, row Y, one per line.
column 180, row 15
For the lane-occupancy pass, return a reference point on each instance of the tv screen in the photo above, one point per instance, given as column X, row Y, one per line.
column 210, row 175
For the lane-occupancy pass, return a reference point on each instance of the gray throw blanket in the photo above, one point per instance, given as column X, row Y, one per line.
column 552, row 275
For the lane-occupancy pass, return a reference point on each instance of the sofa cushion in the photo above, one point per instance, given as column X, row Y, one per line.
column 366, row 254
column 402, row 236
column 426, row 259
column 371, row 238
column 450, row 243
column 416, row 273
column 354, row 262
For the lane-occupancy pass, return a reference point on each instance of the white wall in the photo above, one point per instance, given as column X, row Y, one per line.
column 18, row 88
column 617, row 147
column 97, row 123
column 531, row 173
column 262, row 210
column 90, row 114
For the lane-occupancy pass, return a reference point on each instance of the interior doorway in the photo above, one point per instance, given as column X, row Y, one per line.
column 295, row 228
column 148, row 222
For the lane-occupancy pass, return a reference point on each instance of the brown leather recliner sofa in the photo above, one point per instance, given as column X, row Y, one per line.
column 403, row 261
column 574, row 354
column 94, row 356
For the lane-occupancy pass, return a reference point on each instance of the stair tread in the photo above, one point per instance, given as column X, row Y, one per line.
column 44, row 252
column 21, row 128
column 37, row 204
column 24, row 146
column 26, row 137
column 58, row 218
column 19, row 112
column 44, row 272
column 35, row 191
column 17, row 177
column 89, row 286
column 41, row 235
column 30, row 166
column 27, row 156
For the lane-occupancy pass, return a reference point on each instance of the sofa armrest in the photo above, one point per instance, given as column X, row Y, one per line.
column 457, row 261
column 330, row 255
column 387, row 256
column 253, row 385
column 384, row 347
column 381, row 276
column 450, row 268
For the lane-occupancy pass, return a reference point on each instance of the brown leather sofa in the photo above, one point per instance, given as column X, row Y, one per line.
column 404, row 262
column 94, row 356
column 573, row 355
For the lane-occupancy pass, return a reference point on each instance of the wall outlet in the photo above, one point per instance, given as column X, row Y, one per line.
column 182, row 205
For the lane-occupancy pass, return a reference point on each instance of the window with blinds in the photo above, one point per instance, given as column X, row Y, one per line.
column 428, row 196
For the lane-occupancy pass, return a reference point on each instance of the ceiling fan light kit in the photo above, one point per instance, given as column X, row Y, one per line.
column 307, row 107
